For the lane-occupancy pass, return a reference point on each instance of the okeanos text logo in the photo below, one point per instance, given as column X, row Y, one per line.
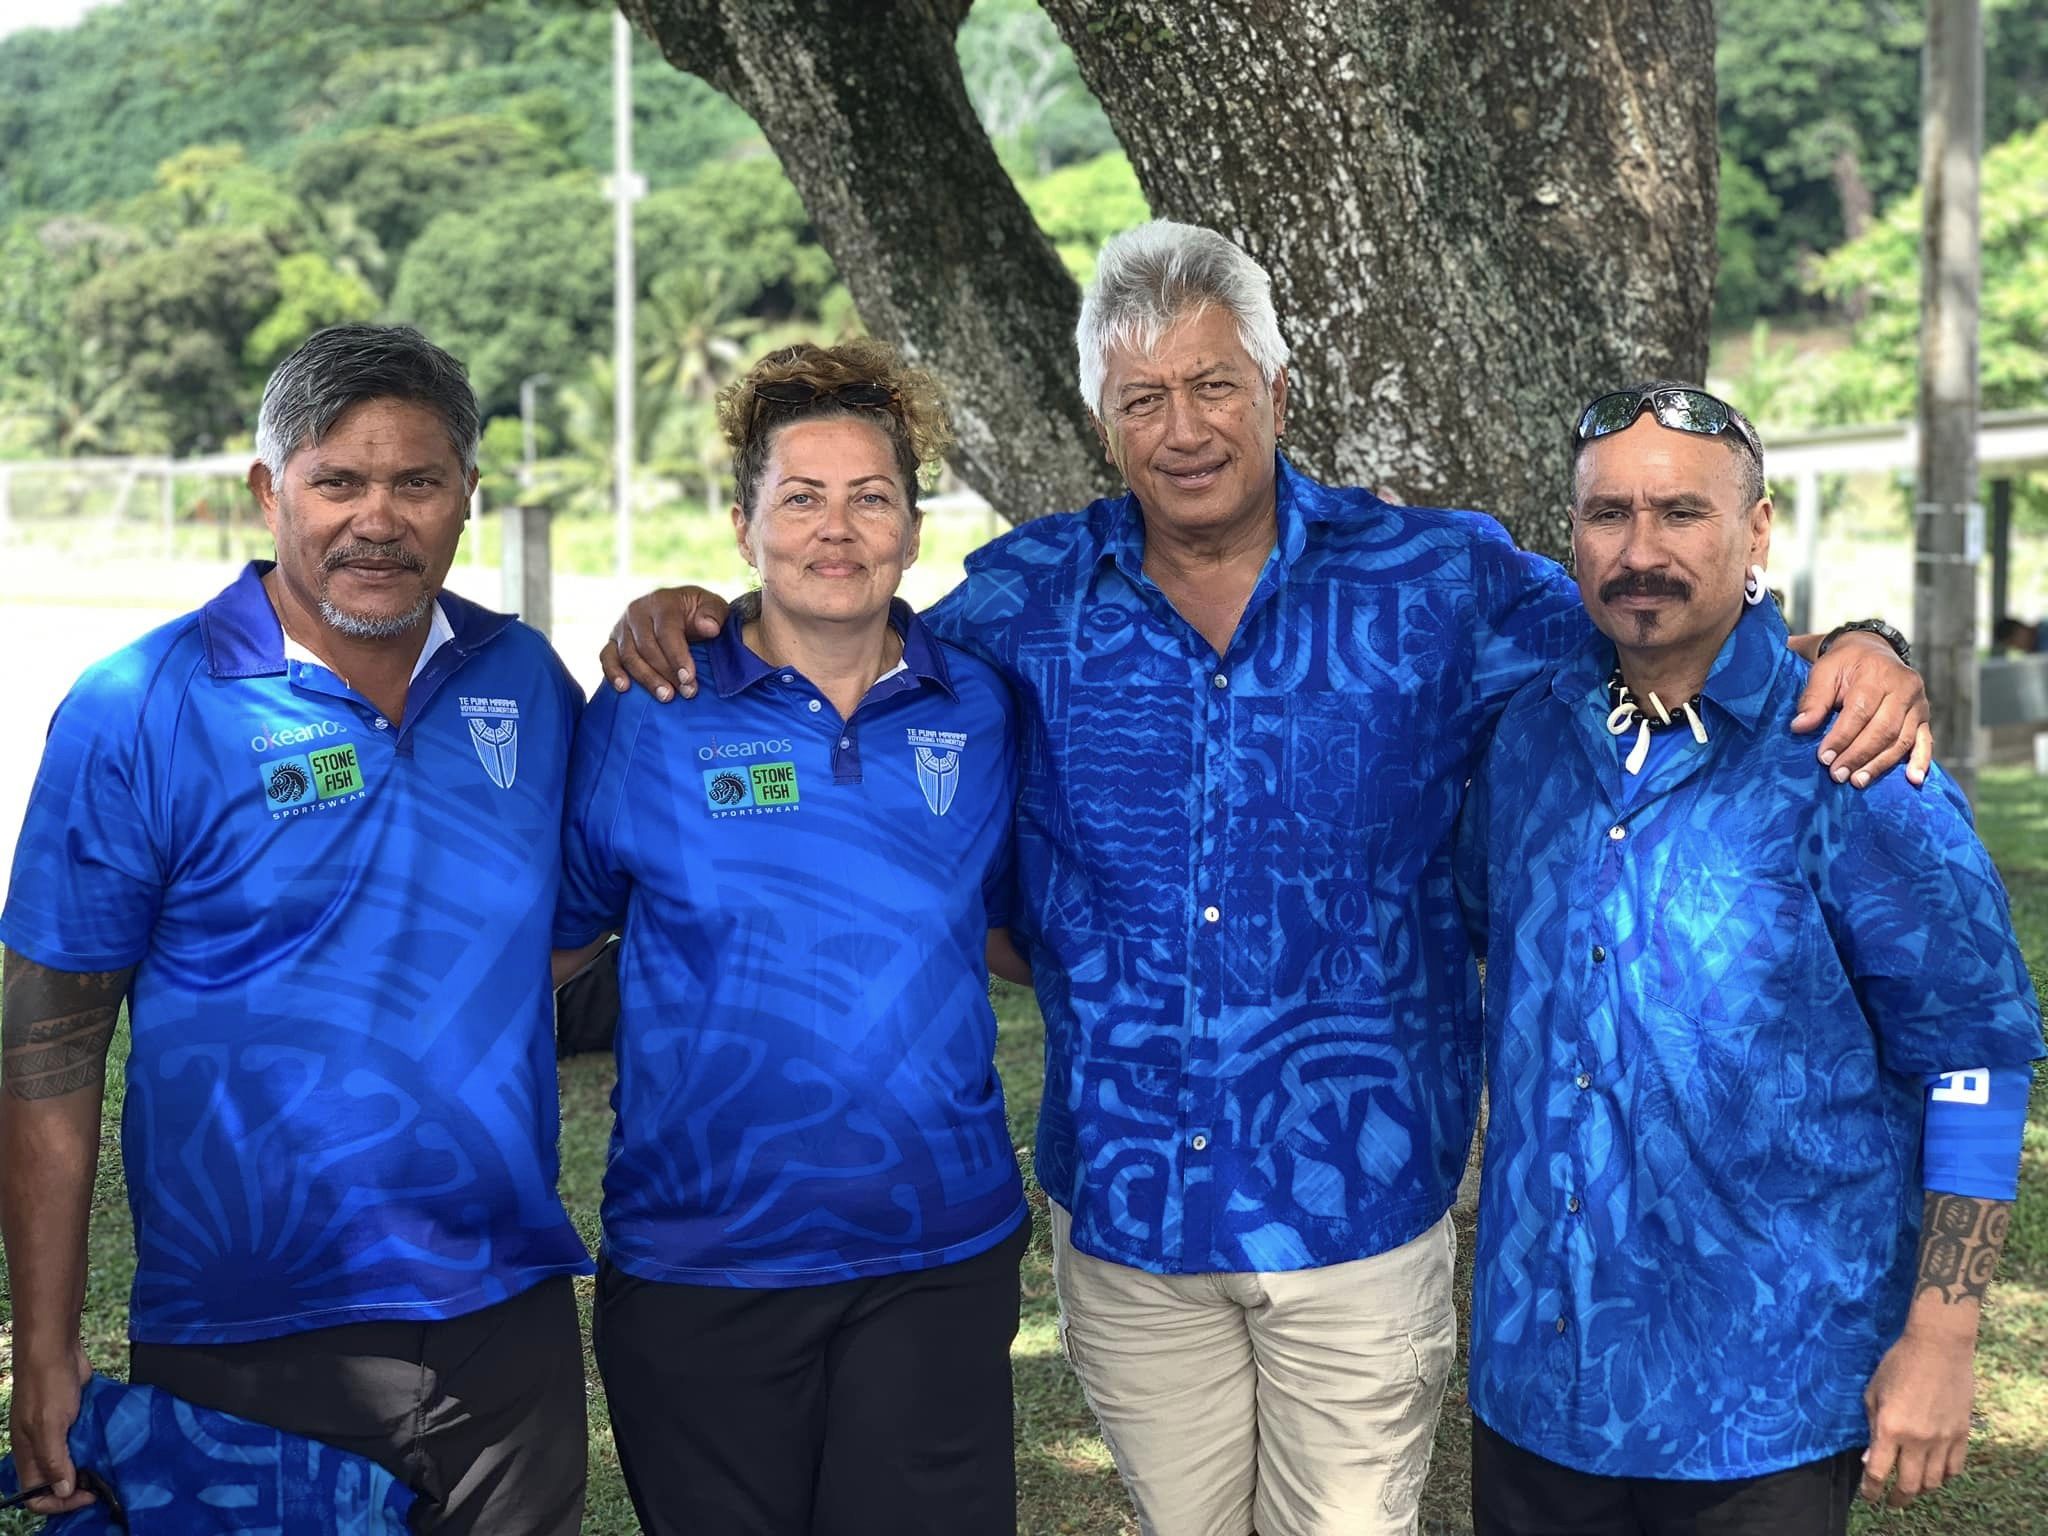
column 272, row 736
column 731, row 749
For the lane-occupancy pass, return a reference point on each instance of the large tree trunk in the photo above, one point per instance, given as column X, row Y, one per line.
column 1476, row 215
column 867, row 108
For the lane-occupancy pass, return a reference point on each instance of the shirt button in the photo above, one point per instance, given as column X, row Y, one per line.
column 1599, row 953
column 1572, row 1205
column 1211, row 914
column 381, row 723
column 1560, row 1325
column 846, row 741
column 1221, row 680
column 1616, row 834
column 789, row 677
column 816, row 706
column 1199, row 1142
column 1583, row 1080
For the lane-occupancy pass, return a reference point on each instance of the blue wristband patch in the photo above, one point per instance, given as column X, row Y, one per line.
column 1971, row 1143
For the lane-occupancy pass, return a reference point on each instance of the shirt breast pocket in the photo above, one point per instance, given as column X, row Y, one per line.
column 1732, row 950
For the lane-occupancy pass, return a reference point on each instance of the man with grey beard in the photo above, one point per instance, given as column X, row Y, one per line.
column 310, row 834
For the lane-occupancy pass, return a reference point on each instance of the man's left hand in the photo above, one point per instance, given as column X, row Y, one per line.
column 1919, row 1406
column 1883, row 712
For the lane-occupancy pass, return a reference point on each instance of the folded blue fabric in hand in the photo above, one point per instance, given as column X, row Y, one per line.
column 173, row 1469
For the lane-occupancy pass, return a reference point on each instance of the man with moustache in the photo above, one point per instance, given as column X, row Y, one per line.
column 1253, row 701
column 1749, row 1048
column 309, row 833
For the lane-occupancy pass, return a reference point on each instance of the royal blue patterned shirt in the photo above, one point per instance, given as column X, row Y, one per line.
column 807, row 1086
column 341, row 1099
column 1711, row 1011
column 1261, row 1009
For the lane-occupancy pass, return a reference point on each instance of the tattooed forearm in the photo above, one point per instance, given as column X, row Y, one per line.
column 1960, row 1240
column 55, row 1028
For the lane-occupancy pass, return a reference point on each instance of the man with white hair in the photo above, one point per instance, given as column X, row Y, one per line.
column 310, row 833
column 1253, row 701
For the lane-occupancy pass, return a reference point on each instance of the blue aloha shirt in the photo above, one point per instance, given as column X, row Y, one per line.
column 1711, row 1010
column 1261, row 1008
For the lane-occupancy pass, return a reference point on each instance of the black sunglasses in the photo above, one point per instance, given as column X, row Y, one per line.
column 87, row 1481
column 793, row 394
column 1680, row 409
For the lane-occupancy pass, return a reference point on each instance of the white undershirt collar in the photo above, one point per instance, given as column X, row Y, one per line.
column 439, row 633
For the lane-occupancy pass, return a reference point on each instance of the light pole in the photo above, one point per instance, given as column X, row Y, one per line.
column 526, row 564
column 625, row 188
column 527, row 387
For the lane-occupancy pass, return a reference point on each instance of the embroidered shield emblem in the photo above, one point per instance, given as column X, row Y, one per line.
column 938, row 775
column 497, row 748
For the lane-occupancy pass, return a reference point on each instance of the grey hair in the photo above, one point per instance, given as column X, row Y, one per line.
column 336, row 369
column 1148, row 278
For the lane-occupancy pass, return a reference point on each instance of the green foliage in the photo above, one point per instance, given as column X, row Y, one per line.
column 1819, row 101
column 1820, row 107
column 180, row 317
column 1875, row 379
column 1027, row 89
column 396, row 180
column 311, row 293
column 1743, row 288
column 522, row 285
column 1083, row 205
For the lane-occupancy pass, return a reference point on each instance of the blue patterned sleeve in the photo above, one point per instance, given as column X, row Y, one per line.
column 90, row 869
column 1921, row 921
column 1530, row 615
column 595, row 884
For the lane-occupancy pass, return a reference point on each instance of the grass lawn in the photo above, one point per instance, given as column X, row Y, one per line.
column 1066, row 1482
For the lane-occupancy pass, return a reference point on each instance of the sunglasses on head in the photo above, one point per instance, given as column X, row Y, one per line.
column 1680, row 409
column 793, row 394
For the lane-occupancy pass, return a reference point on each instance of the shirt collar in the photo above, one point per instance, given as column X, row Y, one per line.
column 1739, row 682
column 243, row 638
column 1297, row 502
column 734, row 667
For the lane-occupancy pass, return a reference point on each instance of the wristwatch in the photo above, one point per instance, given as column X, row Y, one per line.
column 1877, row 627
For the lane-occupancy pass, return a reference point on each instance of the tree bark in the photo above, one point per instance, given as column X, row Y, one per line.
column 1476, row 215
column 867, row 108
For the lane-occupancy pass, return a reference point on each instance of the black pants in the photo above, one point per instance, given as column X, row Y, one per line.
column 482, row 1415
column 1517, row 1493
column 866, row 1408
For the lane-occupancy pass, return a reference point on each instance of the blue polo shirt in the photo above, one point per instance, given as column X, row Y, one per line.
column 807, row 1087
column 1712, row 1008
column 341, row 1088
column 1261, row 1010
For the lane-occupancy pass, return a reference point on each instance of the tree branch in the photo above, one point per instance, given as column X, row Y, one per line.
column 868, row 111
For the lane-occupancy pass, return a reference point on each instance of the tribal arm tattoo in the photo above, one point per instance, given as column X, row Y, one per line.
column 1960, row 1240
column 56, row 1027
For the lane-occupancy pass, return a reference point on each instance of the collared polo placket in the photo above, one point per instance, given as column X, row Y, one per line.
column 809, row 704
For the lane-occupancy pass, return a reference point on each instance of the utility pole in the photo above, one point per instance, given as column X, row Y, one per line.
column 1948, row 539
column 625, row 188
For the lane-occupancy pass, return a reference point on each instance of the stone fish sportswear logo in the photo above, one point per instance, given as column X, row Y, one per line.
column 287, row 784
column 319, row 780
column 938, row 766
column 494, row 732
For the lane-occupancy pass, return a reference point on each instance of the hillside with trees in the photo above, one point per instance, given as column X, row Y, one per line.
column 189, row 187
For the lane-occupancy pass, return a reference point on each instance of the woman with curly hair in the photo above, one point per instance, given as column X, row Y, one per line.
column 812, row 1211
